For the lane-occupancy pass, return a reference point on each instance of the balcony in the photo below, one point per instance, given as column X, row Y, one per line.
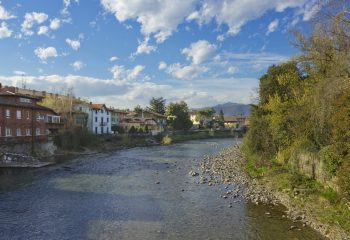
column 103, row 124
column 52, row 119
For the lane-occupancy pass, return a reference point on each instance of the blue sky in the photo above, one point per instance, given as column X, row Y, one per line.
column 123, row 52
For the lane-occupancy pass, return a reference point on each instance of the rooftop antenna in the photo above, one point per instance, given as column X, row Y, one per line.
column 24, row 81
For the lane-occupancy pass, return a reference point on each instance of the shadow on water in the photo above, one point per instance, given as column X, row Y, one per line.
column 141, row 193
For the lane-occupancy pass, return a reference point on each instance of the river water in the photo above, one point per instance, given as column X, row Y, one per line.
column 140, row 193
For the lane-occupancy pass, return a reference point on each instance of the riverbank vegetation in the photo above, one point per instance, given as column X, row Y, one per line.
column 299, row 136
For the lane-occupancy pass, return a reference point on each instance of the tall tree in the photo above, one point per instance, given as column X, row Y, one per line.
column 205, row 117
column 221, row 118
column 138, row 109
column 157, row 105
column 178, row 117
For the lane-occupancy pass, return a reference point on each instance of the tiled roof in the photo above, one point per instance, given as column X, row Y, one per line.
column 25, row 105
column 7, row 93
column 232, row 118
column 97, row 105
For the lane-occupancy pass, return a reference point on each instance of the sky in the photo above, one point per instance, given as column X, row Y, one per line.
column 124, row 52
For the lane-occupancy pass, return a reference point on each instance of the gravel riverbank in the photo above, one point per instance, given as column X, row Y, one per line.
column 228, row 167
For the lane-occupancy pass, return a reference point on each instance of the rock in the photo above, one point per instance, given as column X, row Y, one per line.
column 193, row 173
column 292, row 227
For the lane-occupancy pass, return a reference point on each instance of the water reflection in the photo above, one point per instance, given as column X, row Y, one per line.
column 142, row 193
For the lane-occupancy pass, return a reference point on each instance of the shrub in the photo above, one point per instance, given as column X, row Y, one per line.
column 166, row 140
column 75, row 139
column 344, row 177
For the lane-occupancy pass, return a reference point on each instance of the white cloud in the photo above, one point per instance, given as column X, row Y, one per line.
column 17, row 72
column 43, row 30
column 236, row 13
column 45, row 53
column 204, row 92
column 55, row 24
column 186, row 72
column 221, row 37
column 162, row 65
column 113, row 59
column 272, row 26
column 310, row 10
column 144, row 47
column 232, row 70
column 31, row 19
column 77, row 65
column 157, row 18
column 75, row 44
column 122, row 74
column 5, row 32
column 199, row 51
column 5, row 15
column 66, row 5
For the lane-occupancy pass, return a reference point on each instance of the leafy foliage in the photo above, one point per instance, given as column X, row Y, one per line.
column 178, row 117
column 157, row 105
column 304, row 104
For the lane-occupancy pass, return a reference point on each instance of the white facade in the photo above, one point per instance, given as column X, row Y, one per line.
column 99, row 118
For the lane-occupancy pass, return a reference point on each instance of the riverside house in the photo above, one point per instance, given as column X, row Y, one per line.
column 99, row 117
column 155, row 122
column 235, row 121
column 22, row 119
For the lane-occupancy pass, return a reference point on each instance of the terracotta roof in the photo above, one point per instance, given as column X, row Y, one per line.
column 116, row 110
column 97, row 105
column 233, row 118
column 25, row 105
column 8, row 93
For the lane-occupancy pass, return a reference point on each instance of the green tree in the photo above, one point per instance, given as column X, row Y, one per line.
column 138, row 109
column 178, row 117
column 205, row 117
column 221, row 119
column 157, row 105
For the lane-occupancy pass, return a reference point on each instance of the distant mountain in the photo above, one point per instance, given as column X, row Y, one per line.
column 233, row 109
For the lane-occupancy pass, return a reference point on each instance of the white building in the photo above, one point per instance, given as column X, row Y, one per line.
column 99, row 118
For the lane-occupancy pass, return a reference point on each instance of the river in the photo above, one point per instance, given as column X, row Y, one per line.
column 140, row 193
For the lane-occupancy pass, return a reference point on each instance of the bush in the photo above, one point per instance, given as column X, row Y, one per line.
column 118, row 129
column 75, row 139
column 344, row 177
column 330, row 195
column 167, row 140
column 331, row 158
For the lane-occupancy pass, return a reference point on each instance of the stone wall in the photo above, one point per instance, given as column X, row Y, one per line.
column 43, row 149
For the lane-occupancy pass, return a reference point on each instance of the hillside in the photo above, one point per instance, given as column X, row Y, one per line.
column 233, row 108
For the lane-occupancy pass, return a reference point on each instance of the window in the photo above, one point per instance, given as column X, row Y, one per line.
column 95, row 119
column 102, row 130
column 95, row 130
column 107, row 119
column 19, row 114
column 19, row 132
column 101, row 110
column 26, row 100
column 38, row 131
column 38, row 117
column 28, row 132
column 8, row 132
column 7, row 113
column 101, row 119
column 96, row 111
column 107, row 112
